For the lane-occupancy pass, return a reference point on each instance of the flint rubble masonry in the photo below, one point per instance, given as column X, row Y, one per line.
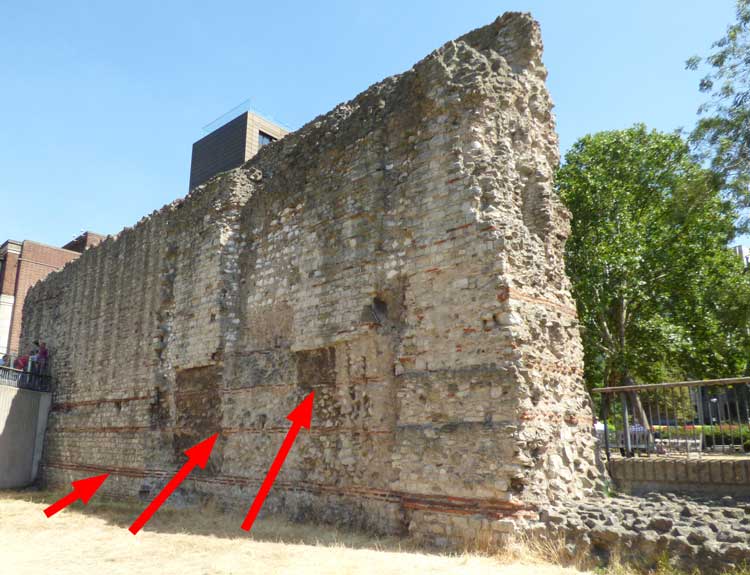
column 401, row 255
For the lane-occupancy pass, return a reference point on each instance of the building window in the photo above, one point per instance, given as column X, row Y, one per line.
column 264, row 139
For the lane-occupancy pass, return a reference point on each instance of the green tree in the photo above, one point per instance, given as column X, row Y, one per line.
column 722, row 134
column 659, row 295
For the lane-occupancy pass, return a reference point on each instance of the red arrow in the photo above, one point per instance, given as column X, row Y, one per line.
column 300, row 417
column 197, row 455
column 83, row 489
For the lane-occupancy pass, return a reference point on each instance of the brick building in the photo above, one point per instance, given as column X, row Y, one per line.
column 22, row 264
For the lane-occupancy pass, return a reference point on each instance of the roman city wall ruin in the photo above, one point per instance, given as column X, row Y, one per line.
column 402, row 256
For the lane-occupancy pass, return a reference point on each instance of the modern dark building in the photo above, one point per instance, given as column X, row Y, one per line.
column 231, row 145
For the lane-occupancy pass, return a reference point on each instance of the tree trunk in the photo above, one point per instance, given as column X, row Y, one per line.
column 639, row 413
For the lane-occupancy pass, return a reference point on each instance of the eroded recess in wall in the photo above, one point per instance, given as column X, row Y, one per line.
column 388, row 306
column 316, row 367
column 159, row 410
column 198, row 410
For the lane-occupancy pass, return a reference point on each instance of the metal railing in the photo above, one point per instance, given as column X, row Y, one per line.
column 710, row 417
column 24, row 372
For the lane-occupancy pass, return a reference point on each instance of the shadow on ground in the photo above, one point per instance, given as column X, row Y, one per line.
column 212, row 521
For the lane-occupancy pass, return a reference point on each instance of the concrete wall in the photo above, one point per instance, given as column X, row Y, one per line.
column 401, row 256
column 23, row 419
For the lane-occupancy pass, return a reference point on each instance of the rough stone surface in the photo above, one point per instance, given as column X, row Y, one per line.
column 401, row 256
column 710, row 535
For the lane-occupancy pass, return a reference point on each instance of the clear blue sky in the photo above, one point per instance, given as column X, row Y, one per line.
column 101, row 101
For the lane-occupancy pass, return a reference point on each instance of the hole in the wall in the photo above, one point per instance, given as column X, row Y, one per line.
column 387, row 307
column 536, row 396
column 379, row 309
column 517, row 485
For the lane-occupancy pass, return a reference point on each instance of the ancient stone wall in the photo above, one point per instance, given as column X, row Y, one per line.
column 401, row 256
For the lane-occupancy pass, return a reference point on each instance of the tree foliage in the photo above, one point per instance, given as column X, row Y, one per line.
column 722, row 134
column 660, row 296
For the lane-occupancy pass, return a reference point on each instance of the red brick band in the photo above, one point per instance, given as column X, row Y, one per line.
column 417, row 501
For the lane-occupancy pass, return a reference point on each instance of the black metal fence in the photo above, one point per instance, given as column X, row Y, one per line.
column 24, row 372
column 681, row 418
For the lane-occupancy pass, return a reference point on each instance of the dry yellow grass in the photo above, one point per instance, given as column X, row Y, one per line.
column 95, row 540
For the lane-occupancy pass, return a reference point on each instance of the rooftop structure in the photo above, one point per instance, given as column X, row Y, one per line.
column 231, row 145
column 83, row 242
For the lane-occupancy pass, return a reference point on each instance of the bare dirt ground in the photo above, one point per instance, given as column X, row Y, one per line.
column 95, row 540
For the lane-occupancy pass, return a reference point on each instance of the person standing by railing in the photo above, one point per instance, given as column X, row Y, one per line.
column 38, row 364
column 21, row 362
column 42, row 356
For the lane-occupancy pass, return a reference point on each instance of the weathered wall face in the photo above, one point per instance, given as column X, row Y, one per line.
column 401, row 256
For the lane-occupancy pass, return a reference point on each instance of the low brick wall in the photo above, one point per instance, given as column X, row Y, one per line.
column 705, row 476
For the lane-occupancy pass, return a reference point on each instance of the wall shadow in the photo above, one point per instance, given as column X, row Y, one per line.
column 19, row 413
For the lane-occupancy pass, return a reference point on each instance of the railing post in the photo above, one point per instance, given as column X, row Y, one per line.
column 605, row 417
column 701, row 418
column 626, row 425
column 735, row 393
